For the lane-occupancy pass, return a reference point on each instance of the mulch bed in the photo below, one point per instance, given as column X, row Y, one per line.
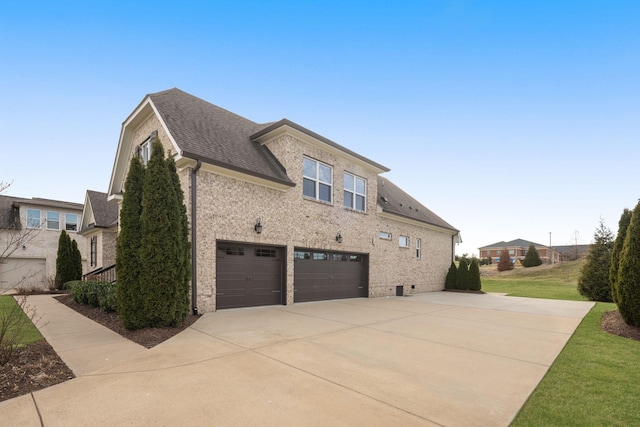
column 613, row 323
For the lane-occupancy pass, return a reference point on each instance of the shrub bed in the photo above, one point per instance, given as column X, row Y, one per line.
column 95, row 294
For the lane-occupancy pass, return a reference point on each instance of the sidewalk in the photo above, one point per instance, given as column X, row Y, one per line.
column 84, row 345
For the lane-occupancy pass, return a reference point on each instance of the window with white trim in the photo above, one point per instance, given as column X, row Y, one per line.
column 33, row 218
column 71, row 222
column 418, row 248
column 53, row 220
column 384, row 235
column 317, row 180
column 403, row 241
column 355, row 192
column 145, row 151
column 94, row 251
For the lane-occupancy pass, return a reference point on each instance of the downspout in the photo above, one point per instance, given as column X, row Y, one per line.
column 194, row 251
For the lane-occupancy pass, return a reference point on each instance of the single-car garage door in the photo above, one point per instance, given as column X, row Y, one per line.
column 324, row 275
column 22, row 272
column 248, row 275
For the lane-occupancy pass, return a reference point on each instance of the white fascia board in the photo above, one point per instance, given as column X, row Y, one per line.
column 410, row 221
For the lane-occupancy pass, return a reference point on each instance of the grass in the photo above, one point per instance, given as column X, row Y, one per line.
column 8, row 308
column 594, row 380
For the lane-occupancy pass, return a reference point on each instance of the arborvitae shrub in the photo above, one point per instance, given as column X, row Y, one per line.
column 594, row 275
column 532, row 258
column 65, row 270
column 623, row 224
column 76, row 261
column 463, row 281
column 452, row 274
column 505, row 262
column 128, row 264
column 474, row 275
column 628, row 283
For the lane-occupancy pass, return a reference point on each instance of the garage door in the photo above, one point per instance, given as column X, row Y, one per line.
column 323, row 275
column 248, row 275
column 22, row 272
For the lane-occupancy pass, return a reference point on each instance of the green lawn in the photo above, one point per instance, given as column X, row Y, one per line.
column 8, row 305
column 595, row 381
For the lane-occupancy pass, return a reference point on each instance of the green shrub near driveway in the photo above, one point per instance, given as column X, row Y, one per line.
column 96, row 294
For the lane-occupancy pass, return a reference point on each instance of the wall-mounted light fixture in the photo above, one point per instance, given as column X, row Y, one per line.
column 258, row 226
column 339, row 237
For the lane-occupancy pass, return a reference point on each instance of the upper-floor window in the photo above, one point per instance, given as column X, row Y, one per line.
column 355, row 192
column 94, row 251
column 71, row 222
column 317, row 180
column 418, row 248
column 384, row 235
column 145, row 151
column 403, row 241
column 33, row 218
column 53, row 220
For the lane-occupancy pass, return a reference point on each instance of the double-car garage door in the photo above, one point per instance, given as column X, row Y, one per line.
column 252, row 275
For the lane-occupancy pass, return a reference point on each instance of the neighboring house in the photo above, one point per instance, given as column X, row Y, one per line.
column 99, row 226
column 33, row 263
column 280, row 214
column 518, row 250
column 572, row 252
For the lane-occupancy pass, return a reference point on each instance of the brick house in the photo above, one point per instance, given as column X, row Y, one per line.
column 99, row 226
column 518, row 249
column 40, row 221
column 280, row 214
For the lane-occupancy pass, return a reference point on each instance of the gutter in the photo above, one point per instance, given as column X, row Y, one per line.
column 194, row 251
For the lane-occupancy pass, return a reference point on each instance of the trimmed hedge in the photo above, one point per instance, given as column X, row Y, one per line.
column 95, row 294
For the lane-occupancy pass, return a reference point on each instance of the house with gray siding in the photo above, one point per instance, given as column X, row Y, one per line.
column 280, row 214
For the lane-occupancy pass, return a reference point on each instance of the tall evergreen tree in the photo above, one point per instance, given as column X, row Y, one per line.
column 628, row 283
column 623, row 224
column 594, row 275
column 532, row 258
column 505, row 262
column 128, row 264
column 162, row 248
column 475, row 283
column 182, row 306
column 452, row 277
column 463, row 280
column 76, row 261
column 64, row 261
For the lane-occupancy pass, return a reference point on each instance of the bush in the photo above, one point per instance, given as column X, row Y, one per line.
column 623, row 224
column 628, row 283
column 463, row 280
column 594, row 276
column 67, row 286
column 505, row 262
column 475, row 284
column 450, row 281
column 95, row 294
column 532, row 258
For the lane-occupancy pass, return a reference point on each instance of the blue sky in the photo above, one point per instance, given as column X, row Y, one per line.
column 509, row 119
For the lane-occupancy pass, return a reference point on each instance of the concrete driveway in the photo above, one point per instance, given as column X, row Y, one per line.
column 433, row 359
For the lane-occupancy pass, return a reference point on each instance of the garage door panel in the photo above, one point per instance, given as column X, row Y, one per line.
column 248, row 275
column 22, row 272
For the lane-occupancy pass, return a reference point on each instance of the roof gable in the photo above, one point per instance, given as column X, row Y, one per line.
column 520, row 243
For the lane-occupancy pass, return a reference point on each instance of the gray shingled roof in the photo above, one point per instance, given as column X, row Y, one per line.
column 392, row 199
column 214, row 135
column 8, row 214
column 519, row 243
column 105, row 213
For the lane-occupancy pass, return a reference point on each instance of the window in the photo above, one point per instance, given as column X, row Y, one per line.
column 71, row 222
column 301, row 255
column 230, row 250
column 355, row 192
column 403, row 241
column 340, row 257
column 94, row 251
column 53, row 220
column 317, row 180
column 33, row 218
column 266, row 253
column 511, row 252
column 418, row 247
column 384, row 235
column 318, row 256
column 144, row 151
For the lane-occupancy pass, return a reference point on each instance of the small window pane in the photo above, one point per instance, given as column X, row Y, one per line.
column 230, row 250
column 340, row 257
column 267, row 253
column 301, row 255
column 325, row 174
column 71, row 222
column 360, row 203
column 384, row 235
column 53, row 221
column 309, row 188
column 360, row 186
column 355, row 258
column 309, row 168
column 348, row 181
column 325, row 193
column 348, row 199
column 320, row 256
column 403, row 241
